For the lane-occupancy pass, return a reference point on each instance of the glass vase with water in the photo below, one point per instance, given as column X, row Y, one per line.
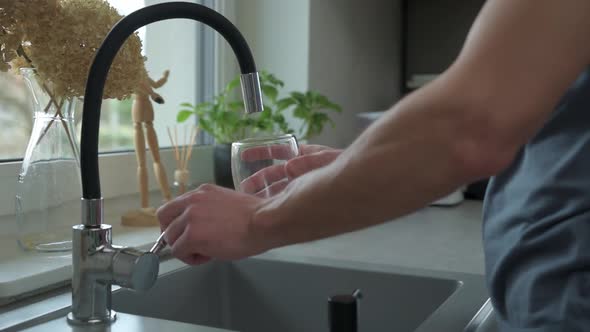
column 49, row 184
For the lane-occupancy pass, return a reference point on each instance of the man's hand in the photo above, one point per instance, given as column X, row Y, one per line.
column 212, row 222
column 199, row 225
column 272, row 180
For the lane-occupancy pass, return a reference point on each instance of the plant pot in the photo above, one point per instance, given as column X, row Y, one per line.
column 222, row 165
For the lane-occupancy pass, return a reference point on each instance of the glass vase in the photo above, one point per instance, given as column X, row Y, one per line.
column 49, row 183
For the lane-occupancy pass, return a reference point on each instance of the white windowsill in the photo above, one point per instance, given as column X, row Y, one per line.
column 22, row 272
column 118, row 176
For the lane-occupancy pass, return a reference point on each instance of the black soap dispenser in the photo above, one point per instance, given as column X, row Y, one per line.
column 343, row 312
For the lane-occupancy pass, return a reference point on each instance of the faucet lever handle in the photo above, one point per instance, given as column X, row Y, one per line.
column 159, row 245
column 135, row 269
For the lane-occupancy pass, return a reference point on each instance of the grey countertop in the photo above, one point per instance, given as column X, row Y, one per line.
column 124, row 323
column 435, row 238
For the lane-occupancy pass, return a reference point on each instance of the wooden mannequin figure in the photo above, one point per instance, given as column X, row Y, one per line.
column 143, row 118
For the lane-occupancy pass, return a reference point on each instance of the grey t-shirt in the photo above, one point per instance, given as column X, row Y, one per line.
column 537, row 225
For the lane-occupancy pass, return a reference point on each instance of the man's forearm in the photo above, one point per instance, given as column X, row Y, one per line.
column 399, row 165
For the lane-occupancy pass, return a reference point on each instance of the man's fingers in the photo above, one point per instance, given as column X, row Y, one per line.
column 177, row 227
column 263, row 178
column 273, row 189
column 281, row 152
column 301, row 165
column 183, row 250
column 312, row 148
column 171, row 210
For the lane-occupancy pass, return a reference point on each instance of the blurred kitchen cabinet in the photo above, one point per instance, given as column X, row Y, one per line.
column 433, row 33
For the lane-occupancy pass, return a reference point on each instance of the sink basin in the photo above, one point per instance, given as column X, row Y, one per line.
column 261, row 295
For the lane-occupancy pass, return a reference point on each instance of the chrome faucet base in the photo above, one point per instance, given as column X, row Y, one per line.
column 91, row 287
column 98, row 264
column 109, row 319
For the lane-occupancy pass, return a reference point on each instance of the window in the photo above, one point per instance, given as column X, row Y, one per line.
column 116, row 127
column 16, row 117
column 184, row 47
column 174, row 45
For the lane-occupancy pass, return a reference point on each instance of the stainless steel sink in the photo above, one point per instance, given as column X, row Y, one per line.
column 261, row 295
column 484, row 320
column 278, row 293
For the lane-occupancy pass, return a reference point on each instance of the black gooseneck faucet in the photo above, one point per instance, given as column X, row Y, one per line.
column 97, row 263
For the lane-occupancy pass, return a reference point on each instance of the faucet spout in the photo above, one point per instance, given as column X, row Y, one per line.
column 104, row 58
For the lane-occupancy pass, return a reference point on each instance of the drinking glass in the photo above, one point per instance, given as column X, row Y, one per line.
column 257, row 164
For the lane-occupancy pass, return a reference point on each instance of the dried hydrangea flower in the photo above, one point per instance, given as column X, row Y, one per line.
column 60, row 38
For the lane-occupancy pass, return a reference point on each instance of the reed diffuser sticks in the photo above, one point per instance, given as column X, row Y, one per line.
column 182, row 154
